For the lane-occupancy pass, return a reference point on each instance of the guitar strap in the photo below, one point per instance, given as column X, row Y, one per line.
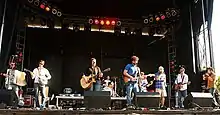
column 182, row 77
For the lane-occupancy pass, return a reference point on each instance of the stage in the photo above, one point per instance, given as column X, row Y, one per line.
column 114, row 112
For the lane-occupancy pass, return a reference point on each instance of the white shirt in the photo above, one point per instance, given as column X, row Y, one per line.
column 182, row 79
column 40, row 72
column 11, row 78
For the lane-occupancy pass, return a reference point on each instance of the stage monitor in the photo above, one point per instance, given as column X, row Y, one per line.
column 148, row 99
column 97, row 99
column 8, row 97
column 198, row 99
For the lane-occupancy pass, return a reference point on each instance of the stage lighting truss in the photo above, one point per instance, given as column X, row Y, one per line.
column 104, row 22
column 168, row 15
column 44, row 5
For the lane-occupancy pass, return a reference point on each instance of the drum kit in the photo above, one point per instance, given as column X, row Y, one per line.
column 111, row 86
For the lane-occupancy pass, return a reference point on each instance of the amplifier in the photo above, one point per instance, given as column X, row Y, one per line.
column 28, row 101
column 148, row 99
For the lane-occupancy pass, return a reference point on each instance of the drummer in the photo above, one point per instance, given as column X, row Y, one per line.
column 107, row 81
column 109, row 88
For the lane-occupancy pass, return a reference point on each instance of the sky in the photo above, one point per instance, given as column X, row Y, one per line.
column 215, row 35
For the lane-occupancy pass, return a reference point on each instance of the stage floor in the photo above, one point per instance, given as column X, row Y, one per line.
column 112, row 112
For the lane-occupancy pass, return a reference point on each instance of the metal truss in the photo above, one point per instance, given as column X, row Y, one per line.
column 20, row 48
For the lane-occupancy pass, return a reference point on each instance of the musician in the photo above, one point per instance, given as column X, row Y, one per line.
column 209, row 76
column 143, row 82
column 107, row 81
column 131, row 71
column 41, row 77
column 181, row 81
column 160, row 85
column 93, row 69
column 11, row 78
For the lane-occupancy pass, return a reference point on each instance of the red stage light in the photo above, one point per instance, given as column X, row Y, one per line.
column 107, row 22
column 113, row 22
column 102, row 22
column 42, row 6
column 162, row 17
column 157, row 18
column 96, row 21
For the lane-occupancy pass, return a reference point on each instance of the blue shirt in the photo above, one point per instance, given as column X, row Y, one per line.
column 132, row 70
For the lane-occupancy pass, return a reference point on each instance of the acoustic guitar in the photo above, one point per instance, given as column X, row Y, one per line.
column 179, row 86
column 87, row 81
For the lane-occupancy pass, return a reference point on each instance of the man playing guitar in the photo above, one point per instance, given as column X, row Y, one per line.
column 130, row 73
column 181, row 83
column 41, row 77
column 94, row 70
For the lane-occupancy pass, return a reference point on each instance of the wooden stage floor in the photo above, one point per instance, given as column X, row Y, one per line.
column 109, row 112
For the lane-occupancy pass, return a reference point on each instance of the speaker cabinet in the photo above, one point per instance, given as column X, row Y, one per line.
column 97, row 99
column 198, row 99
column 148, row 99
column 8, row 97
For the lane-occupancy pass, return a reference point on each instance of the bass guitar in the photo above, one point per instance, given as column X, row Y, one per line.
column 87, row 81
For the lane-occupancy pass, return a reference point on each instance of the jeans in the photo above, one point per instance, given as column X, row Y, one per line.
column 40, row 89
column 211, row 90
column 97, row 86
column 181, row 97
column 131, row 86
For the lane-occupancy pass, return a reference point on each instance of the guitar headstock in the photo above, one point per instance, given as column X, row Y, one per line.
column 106, row 70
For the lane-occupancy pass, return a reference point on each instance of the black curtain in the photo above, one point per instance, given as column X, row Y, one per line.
column 8, row 32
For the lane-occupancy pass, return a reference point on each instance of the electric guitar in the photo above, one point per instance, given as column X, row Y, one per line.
column 87, row 81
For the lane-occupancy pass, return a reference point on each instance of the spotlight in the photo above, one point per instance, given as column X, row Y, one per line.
column 151, row 19
column 59, row 14
column 162, row 17
column 30, row 1
column 168, row 14
column 102, row 22
column 47, row 8
column 42, row 6
column 107, row 22
column 173, row 12
column 157, row 18
column 146, row 21
column 54, row 11
column 90, row 21
column 113, row 22
column 96, row 21
column 36, row 2
column 118, row 23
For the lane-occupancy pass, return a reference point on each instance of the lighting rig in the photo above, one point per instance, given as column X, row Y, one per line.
column 47, row 7
column 152, row 25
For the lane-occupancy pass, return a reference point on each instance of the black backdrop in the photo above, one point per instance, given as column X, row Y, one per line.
column 67, row 53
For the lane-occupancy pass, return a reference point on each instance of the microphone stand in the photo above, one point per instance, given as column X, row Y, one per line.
column 3, row 24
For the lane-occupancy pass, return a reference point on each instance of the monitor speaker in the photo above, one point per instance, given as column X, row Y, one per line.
column 148, row 99
column 198, row 99
column 97, row 99
column 8, row 97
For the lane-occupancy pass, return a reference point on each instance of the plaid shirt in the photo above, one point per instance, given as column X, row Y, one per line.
column 159, row 84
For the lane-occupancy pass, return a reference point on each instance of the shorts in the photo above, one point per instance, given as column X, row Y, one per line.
column 162, row 92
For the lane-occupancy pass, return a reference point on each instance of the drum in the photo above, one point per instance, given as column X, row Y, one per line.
column 20, row 81
column 108, row 89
